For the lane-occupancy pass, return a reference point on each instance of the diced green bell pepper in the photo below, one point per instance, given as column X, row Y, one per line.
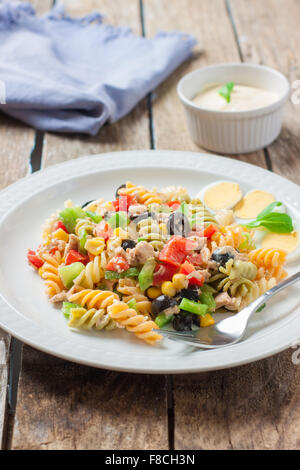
column 208, row 299
column 132, row 304
column 69, row 215
column 131, row 272
column 146, row 274
column 69, row 273
column 118, row 219
column 66, row 308
column 82, row 241
column 193, row 307
column 95, row 217
column 161, row 320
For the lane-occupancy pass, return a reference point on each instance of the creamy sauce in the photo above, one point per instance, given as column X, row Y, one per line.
column 243, row 98
column 222, row 196
column 252, row 204
column 283, row 241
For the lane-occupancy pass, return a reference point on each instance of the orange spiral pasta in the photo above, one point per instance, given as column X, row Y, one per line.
column 94, row 298
column 143, row 195
column 234, row 235
column 133, row 322
column 130, row 290
column 269, row 262
column 49, row 272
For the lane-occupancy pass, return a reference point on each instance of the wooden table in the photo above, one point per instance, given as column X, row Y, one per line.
column 61, row 405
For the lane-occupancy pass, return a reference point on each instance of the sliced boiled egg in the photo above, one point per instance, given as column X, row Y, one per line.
column 252, row 204
column 221, row 195
column 284, row 241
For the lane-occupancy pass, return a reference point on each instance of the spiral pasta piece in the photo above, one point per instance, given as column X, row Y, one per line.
column 174, row 193
column 84, row 224
column 91, row 275
column 134, row 322
column 81, row 318
column 143, row 195
column 234, row 235
column 150, row 231
column 94, row 298
column 49, row 272
column 129, row 289
column 269, row 262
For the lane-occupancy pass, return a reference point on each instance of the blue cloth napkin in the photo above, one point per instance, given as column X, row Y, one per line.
column 73, row 75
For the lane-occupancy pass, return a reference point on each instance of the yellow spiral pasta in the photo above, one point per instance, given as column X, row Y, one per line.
column 234, row 235
column 91, row 275
column 143, row 195
column 94, row 298
column 138, row 324
column 269, row 262
column 95, row 245
column 84, row 319
column 130, row 290
column 49, row 272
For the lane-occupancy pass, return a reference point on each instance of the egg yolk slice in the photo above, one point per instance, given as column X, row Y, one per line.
column 252, row 204
column 281, row 241
column 222, row 196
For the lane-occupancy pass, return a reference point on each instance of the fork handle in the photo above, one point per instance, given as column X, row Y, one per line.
column 267, row 295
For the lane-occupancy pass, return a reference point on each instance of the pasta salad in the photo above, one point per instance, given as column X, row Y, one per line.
column 151, row 258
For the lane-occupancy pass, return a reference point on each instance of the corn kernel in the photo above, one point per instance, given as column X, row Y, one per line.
column 153, row 292
column 207, row 320
column 180, row 281
column 119, row 232
column 167, row 288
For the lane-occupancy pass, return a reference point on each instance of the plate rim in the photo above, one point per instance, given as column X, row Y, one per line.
column 32, row 334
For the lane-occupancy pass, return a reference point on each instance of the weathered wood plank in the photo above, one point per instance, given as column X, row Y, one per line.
column 67, row 406
column 17, row 142
column 269, row 34
column 251, row 407
column 208, row 22
column 245, row 407
column 132, row 132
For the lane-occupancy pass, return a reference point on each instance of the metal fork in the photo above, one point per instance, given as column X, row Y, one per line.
column 231, row 330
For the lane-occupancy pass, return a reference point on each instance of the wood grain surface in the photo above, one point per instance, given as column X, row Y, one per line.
column 131, row 132
column 77, row 407
column 210, row 24
column 268, row 33
column 67, row 406
column 17, row 144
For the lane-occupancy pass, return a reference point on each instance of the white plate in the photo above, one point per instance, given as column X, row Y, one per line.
column 25, row 311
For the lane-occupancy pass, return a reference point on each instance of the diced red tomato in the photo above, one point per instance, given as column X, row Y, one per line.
column 57, row 225
column 174, row 204
column 103, row 230
column 208, row 231
column 122, row 203
column 74, row 257
column 118, row 264
column 34, row 260
column 188, row 268
column 195, row 259
column 175, row 251
column 163, row 272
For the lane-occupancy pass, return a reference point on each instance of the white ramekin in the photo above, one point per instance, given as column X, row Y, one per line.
column 238, row 131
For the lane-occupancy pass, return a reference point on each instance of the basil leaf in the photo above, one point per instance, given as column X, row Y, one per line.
column 226, row 91
column 275, row 222
column 268, row 209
